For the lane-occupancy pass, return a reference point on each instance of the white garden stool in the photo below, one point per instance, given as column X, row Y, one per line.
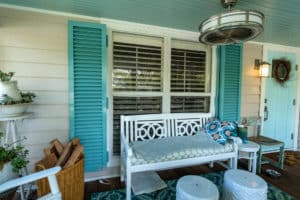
column 243, row 185
column 249, row 151
column 196, row 188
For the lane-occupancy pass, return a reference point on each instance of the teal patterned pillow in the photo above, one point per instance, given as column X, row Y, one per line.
column 230, row 126
column 220, row 131
column 214, row 130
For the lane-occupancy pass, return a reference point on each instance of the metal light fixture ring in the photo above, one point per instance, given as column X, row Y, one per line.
column 232, row 27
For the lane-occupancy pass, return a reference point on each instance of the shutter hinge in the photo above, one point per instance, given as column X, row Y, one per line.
column 106, row 41
column 107, row 155
column 292, row 136
column 296, row 67
column 294, row 102
column 107, row 102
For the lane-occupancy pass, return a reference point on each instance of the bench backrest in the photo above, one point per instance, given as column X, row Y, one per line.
column 152, row 126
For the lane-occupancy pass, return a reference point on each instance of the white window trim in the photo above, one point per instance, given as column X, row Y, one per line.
column 167, row 34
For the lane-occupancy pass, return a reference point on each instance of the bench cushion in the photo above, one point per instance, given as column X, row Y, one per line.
column 175, row 148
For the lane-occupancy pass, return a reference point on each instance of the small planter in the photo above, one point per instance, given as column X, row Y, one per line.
column 10, row 89
column 7, row 173
column 13, row 110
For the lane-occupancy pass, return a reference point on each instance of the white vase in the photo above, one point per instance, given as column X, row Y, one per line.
column 7, row 173
column 10, row 89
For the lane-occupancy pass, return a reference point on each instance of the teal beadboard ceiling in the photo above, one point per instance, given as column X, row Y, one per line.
column 282, row 17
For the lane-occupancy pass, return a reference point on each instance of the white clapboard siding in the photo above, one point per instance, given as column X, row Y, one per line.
column 8, row 53
column 36, row 69
column 250, row 89
column 50, row 97
column 251, row 99
column 250, row 81
column 35, row 47
column 33, row 137
column 43, row 26
column 27, row 41
column 50, row 111
column 41, row 83
column 44, row 124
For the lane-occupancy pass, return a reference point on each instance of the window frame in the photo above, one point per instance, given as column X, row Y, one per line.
column 168, row 35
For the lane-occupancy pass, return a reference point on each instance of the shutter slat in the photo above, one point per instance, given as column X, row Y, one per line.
column 87, row 62
column 230, row 69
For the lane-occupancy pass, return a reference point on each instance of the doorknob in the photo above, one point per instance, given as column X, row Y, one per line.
column 266, row 113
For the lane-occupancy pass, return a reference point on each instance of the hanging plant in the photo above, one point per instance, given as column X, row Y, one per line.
column 281, row 70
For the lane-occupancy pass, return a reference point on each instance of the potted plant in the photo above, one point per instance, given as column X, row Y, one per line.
column 12, row 160
column 13, row 102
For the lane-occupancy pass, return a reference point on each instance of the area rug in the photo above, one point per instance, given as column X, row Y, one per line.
column 169, row 193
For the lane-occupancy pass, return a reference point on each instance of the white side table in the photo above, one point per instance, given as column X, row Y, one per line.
column 11, row 127
column 192, row 187
column 243, row 185
column 249, row 151
column 11, row 131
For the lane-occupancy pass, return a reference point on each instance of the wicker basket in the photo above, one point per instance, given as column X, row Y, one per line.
column 70, row 180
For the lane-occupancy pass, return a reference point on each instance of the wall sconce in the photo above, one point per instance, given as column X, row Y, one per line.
column 263, row 67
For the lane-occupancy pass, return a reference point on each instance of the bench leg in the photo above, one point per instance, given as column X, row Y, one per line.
column 122, row 173
column 128, row 185
column 233, row 163
column 259, row 159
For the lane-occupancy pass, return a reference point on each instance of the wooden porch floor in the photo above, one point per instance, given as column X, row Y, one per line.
column 289, row 181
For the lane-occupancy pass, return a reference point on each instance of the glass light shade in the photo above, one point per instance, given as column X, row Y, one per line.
column 264, row 70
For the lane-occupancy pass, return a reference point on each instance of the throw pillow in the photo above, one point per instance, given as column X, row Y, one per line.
column 230, row 128
column 214, row 130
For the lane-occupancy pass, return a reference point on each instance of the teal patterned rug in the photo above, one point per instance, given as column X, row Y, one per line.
column 169, row 193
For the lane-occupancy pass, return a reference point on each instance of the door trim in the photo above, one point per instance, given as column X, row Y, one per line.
column 296, row 51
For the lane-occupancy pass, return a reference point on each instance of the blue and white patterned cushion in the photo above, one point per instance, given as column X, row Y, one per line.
column 220, row 131
column 214, row 130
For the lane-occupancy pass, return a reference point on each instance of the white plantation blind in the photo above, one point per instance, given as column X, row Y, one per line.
column 190, row 104
column 188, row 70
column 190, row 77
column 137, row 63
column 132, row 106
column 137, row 78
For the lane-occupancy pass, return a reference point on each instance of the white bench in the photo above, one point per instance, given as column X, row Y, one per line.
column 155, row 126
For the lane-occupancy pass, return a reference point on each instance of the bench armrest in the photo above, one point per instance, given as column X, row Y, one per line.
column 50, row 173
column 236, row 140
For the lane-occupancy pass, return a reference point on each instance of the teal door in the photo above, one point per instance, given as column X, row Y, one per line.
column 279, row 108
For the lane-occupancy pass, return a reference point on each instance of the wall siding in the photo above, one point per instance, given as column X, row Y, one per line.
column 34, row 46
column 250, row 93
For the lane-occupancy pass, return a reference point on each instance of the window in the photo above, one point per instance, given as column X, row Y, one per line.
column 137, row 78
column 139, row 73
column 190, row 77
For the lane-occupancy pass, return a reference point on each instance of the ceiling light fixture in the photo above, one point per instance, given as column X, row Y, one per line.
column 231, row 27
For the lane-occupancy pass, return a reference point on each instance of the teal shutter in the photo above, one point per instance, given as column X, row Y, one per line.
column 229, row 81
column 87, row 75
